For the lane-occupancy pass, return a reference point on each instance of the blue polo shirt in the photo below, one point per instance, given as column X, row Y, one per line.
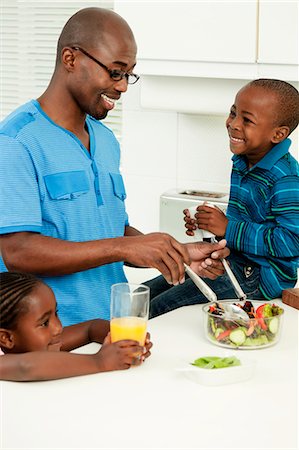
column 263, row 214
column 50, row 184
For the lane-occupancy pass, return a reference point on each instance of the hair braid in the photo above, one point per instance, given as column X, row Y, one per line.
column 14, row 287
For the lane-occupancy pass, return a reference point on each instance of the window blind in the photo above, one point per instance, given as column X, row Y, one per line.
column 29, row 31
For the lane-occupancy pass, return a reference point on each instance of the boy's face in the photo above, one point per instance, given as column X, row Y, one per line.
column 251, row 123
column 38, row 328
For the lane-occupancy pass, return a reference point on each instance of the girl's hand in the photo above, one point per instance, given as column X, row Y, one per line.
column 123, row 354
column 119, row 355
column 147, row 346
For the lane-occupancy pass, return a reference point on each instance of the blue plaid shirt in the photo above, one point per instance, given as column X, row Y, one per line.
column 263, row 215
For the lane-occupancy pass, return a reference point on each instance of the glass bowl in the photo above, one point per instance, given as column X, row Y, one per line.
column 260, row 331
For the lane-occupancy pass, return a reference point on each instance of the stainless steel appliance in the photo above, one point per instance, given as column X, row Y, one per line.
column 174, row 201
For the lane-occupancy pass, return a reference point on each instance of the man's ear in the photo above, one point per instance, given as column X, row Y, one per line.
column 68, row 58
column 280, row 133
column 7, row 339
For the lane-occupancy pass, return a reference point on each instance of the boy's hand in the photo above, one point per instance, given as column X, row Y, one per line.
column 211, row 219
column 206, row 258
column 190, row 223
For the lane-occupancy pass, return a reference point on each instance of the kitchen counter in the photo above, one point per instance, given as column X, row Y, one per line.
column 155, row 406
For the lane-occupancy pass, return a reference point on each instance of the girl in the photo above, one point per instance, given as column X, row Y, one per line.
column 35, row 345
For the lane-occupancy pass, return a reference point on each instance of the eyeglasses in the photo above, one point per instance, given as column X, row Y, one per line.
column 115, row 74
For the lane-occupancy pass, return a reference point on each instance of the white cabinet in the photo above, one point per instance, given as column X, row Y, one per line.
column 241, row 39
column 193, row 30
column 278, row 32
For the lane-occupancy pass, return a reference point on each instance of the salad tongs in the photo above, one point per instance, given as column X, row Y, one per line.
column 231, row 311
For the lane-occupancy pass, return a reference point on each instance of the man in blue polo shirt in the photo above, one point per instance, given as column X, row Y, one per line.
column 62, row 196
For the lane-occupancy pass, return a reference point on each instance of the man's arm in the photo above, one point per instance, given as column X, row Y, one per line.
column 43, row 255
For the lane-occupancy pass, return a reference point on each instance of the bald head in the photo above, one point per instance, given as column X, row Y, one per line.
column 92, row 28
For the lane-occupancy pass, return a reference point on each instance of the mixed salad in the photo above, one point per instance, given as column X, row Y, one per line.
column 260, row 329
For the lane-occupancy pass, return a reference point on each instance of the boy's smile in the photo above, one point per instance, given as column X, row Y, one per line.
column 251, row 124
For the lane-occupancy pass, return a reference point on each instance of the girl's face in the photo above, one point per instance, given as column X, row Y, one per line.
column 38, row 328
column 250, row 124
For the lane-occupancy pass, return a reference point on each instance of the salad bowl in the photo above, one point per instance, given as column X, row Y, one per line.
column 261, row 328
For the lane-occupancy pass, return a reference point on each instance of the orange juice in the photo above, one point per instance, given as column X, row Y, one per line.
column 128, row 328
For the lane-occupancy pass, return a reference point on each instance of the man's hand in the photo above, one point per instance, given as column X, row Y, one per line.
column 158, row 250
column 206, row 258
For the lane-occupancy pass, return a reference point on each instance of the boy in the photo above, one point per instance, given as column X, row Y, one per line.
column 262, row 221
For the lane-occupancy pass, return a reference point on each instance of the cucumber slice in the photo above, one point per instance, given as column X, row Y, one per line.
column 237, row 336
column 273, row 325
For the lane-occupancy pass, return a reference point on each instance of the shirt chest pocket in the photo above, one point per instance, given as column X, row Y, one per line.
column 67, row 185
column 118, row 185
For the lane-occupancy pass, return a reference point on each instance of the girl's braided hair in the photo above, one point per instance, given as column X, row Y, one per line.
column 14, row 288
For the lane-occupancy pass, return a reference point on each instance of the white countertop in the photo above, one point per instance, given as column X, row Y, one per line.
column 155, row 406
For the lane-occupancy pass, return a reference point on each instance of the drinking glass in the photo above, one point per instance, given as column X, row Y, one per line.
column 129, row 311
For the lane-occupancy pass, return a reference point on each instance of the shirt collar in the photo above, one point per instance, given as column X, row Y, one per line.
column 269, row 160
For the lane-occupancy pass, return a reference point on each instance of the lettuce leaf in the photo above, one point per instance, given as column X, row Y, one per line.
column 215, row 362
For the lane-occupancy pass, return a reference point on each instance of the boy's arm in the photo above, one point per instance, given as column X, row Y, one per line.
column 265, row 239
column 75, row 336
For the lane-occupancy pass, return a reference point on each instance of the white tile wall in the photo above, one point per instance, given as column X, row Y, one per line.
column 294, row 150
column 204, row 159
column 150, row 143
column 143, row 195
column 149, row 159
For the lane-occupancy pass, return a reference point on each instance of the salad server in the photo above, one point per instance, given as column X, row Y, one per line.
column 234, row 312
column 199, row 234
column 231, row 311
column 202, row 286
column 238, row 290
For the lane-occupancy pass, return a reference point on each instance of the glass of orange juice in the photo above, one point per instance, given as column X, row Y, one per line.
column 129, row 312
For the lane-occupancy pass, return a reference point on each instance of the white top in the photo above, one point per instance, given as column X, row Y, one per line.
column 155, row 406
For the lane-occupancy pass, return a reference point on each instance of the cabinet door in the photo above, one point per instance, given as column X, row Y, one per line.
column 278, row 32
column 193, row 30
